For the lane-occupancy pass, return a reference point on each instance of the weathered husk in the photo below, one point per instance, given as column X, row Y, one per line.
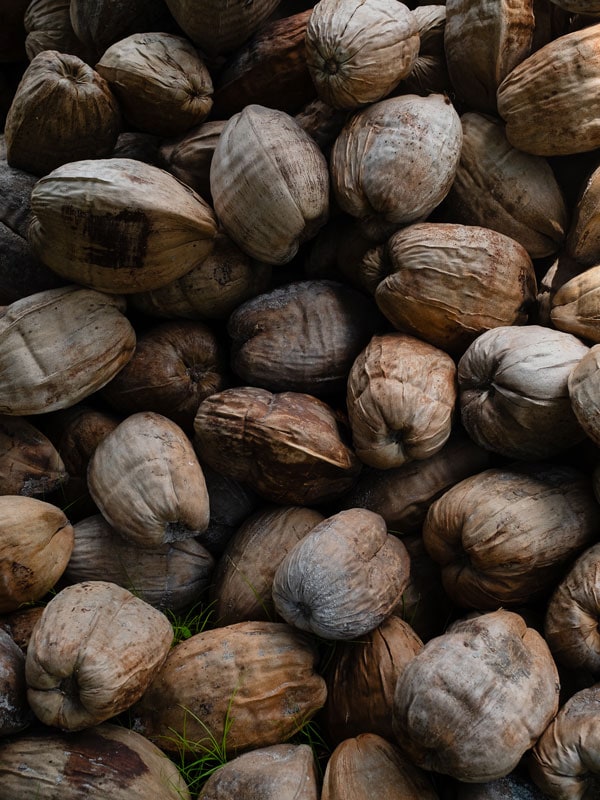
column 103, row 761
column 59, row 346
column 513, row 391
column 93, row 653
column 119, row 225
column 29, row 463
column 48, row 26
column 564, row 761
column 571, row 621
column 21, row 272
column 278, row 772
column 429, row 73
column 243, row 578
column 225, row 279
column 359, row 764
column 361, row 679
column 220, row 27
column 395, row 161
column 257, row 677
column 449, row 283
column 343, row 578
column 20, row 624
column 270, row 184
column 476, row 698
column 359, row 50
column 561, row 270
column 170, row 577
column 287, row 447
column 15, row 714
column 146, row 480
column 62, row 111
column 301, row 337
column 189, row 156
column 549, row 102
column 576, row 306
column 504, row 536
column 584, row 387
column 321, row 122
column 583, row 240
column 162, row 85
column 502, row 188
column 401, row 397
column 269, row 70
column 484, row 41
column 36, row 540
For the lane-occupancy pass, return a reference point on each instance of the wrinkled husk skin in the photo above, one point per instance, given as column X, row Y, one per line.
column 162, row 85
column 584, row 388
column 504, row 536
column 36, row 540
column 576, row 306
column 362, row 677
column 401, row 397
column 343, row 578
column 502, row 188
column 48, row 26
column 571, row 622
column 395, row 161
column 357, row 51
column 189, row 156
column 270, row 184
column 15, row 714
column 146, row 480
column 241, row 585
column 475, row 699
column 287, row 447
column 450, row 283
column 257, row 676
column 484, row 41
column 170, row 577
column 278, row 772
column 93, row 653
column 119, row 225
column 59, row 346
column 104, row 761
column 29, row 462
column 549, row 102
column 514, row 395
column 360, row 764
column 62, row 111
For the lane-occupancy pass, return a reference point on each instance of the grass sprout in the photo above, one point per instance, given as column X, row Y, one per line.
column 196, row 619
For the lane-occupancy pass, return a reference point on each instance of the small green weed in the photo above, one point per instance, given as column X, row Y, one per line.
column 196, row 619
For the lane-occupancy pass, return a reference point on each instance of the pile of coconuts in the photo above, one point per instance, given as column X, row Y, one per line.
column 299, row 399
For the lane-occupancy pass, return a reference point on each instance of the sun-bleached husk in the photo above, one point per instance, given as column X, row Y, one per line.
column 63, row 111
column 119, row 225
column 549, row 102
column 59, row 346
column 162, row 85
column 270, row 184
column 358, row 50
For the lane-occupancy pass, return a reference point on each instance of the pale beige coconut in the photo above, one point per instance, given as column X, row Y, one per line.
column 447, row 284
column 241, row 585
column 48, row 26
column 189, row 156
column 220, row 27
column 358, row 50
column 503, row 537
column 93, row 653
column 59, row 346
column 576, row 306
column 429, row 73
column 62, row 111
column 162, row 85
column 401, row 398
column 170, row 577
column 395, row 161
column 278, row 772
column 564, row 762
column 15, row 714
column 104, row 761
column 549, row 102
column 146, row 480
column 286, row 446
column 583, row 240
column 119, row 225
column 359, row 764
column 29, row 462
column 212, row 290
column 584, row 392
column 484, row 41
column 343, row 578
column 502, row 188
column 475, row 699
column 514, row 397
column 251, row 685
column 270, row 184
